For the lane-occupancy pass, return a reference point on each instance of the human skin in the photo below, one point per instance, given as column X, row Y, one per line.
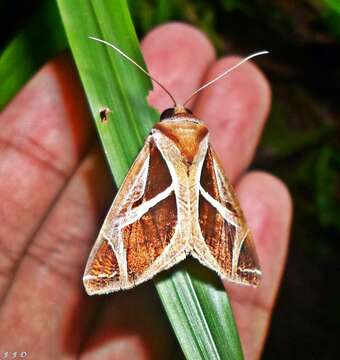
column 55, row 188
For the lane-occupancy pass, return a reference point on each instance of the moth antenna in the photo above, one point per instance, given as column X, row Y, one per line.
column 137, row 65
column 224, row 74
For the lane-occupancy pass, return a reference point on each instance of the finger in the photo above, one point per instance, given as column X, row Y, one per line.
column 177, row 55
column 267, row 205
column 235, row 110
column 41, row 142
column 47, row 295
column 138, row 330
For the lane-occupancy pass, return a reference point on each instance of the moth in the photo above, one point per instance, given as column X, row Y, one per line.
column 174, row 201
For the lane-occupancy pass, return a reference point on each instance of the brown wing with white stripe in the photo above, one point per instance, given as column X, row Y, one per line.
column 134, row 242
column 225, row 242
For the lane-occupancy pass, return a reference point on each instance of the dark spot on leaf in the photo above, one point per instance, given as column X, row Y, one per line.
column 104, row 114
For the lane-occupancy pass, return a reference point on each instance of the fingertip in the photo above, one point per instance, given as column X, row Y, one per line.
column 245, row 89
column 177, row 55
column 235, row 109
column 266, row 198
column 252, row 81
column 266, row 183
column 267, row 205
column 181, row 32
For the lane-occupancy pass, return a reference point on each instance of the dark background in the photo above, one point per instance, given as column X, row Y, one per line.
column 300, row 143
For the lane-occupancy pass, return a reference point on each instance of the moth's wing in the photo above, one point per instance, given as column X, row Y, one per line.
column 139, row 235
column 223, row 242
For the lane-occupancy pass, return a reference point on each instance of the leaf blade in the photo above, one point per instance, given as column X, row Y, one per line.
column 190, row 303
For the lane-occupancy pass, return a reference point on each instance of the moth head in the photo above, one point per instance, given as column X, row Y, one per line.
column 175, row 111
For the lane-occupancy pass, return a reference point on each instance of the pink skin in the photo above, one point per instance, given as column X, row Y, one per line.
column 52, row 207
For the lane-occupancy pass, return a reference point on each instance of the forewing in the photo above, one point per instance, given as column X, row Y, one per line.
column 228, row 247
column 138, row 229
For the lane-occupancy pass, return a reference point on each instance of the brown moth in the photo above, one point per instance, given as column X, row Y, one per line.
column 174, row 201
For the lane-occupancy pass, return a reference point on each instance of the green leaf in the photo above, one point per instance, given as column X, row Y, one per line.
column 42, row 39
column 198, row 309
column 200, row 313
column 333, row 4
column 332, row 19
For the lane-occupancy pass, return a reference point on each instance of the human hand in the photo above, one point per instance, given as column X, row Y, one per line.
column 55, row 188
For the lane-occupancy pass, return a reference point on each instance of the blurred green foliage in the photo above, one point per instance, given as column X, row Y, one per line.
column 331, row 14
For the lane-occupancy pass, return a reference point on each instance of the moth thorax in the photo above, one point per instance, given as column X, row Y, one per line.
column 187, row 135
